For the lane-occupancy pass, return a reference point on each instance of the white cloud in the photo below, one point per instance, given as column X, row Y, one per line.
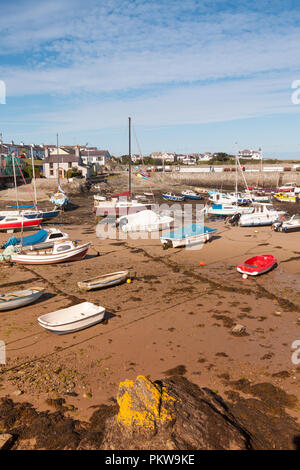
column 166, row 63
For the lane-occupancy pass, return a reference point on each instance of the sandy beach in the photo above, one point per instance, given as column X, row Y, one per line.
column 174, row 318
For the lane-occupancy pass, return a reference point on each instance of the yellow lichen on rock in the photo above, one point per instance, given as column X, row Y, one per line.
column 143, row 406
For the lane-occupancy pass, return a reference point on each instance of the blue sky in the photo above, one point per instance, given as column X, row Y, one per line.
column 194, row 75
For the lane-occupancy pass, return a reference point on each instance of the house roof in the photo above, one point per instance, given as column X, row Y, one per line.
column 94, row 153
column 61, row 158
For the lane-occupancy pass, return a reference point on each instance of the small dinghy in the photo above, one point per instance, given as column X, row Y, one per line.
column 20, row 298
column 188, row 235
column 107, row 280
column 172, row 197
column 73, row 318
column 257, row 265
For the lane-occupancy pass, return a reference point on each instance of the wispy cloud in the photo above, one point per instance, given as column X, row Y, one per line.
column 166, row 62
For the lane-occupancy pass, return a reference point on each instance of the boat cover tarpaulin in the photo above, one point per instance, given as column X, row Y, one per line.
column 26, row 206
column 188, row 231
column 37, row 237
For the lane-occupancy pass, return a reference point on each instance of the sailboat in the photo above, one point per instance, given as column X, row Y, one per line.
column 27, row 212
column 227, row 204
column 59, row 199
column 121, row 204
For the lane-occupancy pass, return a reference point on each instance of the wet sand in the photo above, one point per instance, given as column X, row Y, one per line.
column 175, row 317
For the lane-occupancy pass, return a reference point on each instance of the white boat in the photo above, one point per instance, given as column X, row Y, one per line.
column 290, row 187
column 106, row 280
column 118, row 207
column 68, row 320
column 229, row 198
column 189, row 194
column 227, row 209
column 290, row 225
column 42, row 236
column 256, row 198
column 20, row 298
column 263, row 214
column 99, row 198
column 144, row 221
column 188, row 235
column 59, row 252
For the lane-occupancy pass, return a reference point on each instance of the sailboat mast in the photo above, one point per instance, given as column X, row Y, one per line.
column 129, row 155
column 15, row 180
column 57, row 160
column 236, row 172
column 33, row 175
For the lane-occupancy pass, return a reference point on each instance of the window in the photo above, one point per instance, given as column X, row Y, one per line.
column 70, row 165
column 63, row 248
column 51, row 165
column 51, row 172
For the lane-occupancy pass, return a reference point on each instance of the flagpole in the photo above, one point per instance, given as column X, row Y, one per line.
column 57, row 160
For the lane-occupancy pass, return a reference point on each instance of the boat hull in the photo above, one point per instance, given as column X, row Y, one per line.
column 264, row 263
column 188, row 236
column 71, row 319
column 21, row 301
column 93, row 284
column 19, row 224
column 75, row 254
column 43, row 215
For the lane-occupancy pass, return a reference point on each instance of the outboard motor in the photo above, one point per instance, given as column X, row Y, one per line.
column 277, row 225
column 234, row 220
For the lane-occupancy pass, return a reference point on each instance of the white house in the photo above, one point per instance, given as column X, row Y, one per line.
column 64, row 160
column 205, row 157
column 167, row 157
column 95, row 157
column 253, row 154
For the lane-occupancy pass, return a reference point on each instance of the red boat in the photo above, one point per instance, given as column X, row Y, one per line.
column 257, row 265
column 13, row 222
column 270, row 191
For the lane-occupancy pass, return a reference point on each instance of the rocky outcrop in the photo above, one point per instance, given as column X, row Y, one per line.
column 163, row 415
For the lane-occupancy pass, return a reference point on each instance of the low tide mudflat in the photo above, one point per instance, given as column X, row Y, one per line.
column 174, row 318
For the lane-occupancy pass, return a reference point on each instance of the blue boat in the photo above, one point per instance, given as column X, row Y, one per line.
column 188, row 235
column 172, row 197
column 42, row 215
column 189, row 194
